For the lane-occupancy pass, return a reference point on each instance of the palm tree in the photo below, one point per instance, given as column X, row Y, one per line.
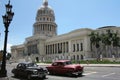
column 105, row 43
column 108, row 42
column 95, row 41
column 92, row 39
column 115, row 44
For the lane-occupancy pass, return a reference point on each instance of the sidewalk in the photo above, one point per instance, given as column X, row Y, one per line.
column 4, row 78
column 101, row 65
column 89, row 65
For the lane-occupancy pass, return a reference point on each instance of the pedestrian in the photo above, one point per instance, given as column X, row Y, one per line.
column 87, row 62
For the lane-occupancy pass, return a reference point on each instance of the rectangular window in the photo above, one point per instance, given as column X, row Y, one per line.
column 46, row 49
column 67, row 46
column 81, row 44
column 77, row 47
column 73, row 47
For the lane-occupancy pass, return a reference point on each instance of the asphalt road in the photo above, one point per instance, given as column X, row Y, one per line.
column 90, row 73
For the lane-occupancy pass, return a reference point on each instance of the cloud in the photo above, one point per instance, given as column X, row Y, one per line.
column 8, row 47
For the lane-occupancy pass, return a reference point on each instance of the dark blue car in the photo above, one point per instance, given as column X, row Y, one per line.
column 29, row 70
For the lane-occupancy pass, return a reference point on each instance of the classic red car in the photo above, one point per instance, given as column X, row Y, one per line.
column 65, row 67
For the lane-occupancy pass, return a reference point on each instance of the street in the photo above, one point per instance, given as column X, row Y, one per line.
column 90, row 73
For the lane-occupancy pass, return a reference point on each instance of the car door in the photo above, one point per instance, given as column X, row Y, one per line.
column 61, row 68
column 18, row 70
column 21, row 69
column 54, row 68
column 58, row 68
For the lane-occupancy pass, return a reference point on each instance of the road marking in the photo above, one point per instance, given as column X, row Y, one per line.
column 89, row 73
column 55, row 77
column 108, row 74
column 60, row 78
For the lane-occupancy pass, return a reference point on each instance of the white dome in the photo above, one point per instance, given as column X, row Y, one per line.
column 45, row 21
column 46, row 7
column 43, row 6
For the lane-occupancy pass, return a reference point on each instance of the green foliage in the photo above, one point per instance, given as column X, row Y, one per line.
column 49, row 61
column 89, row 62
column 8, row 56
column 109, row 40
column 99, row 62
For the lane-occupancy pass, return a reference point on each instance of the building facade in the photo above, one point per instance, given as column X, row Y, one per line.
column 45, row 44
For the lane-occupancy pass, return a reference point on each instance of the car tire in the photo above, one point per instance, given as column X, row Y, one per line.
column 16, row 75
column 44, row 77
column 69, row 74
column 80, row 74
column 29, row 77
column 51, row 73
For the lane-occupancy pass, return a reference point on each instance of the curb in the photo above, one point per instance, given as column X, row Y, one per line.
column 5, row 78
column 90, row 65
column 101, row 65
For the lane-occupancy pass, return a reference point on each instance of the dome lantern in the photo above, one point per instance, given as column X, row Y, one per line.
column 45, row 2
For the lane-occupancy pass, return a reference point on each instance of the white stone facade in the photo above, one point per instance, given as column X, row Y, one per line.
column 45, row 44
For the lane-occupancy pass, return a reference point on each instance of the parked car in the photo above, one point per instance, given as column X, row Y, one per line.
column 65, row 67
column 29, row 70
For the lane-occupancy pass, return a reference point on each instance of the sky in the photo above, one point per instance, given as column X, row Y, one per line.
column 70, row 15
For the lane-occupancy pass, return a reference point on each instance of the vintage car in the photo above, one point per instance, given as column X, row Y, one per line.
column 29, row 70
column 65, row 67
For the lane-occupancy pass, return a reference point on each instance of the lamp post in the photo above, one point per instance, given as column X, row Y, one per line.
column 7, row 18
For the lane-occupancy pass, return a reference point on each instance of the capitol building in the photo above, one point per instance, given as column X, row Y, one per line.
column 45, row 44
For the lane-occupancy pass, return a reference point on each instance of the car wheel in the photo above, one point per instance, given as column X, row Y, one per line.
column 80, row 74
column 51, row 73
column 29, row 77
column 69, row 74
column 15, row 75
column 44, row 77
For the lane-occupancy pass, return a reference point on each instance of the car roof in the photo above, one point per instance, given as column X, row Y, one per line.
column 62, row 60
column 25, row 62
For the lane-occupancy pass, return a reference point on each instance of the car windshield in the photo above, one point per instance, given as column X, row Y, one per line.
column 31, row 65
column 68, row 63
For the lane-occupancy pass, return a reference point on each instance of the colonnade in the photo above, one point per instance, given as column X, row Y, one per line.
column 44, row 27
column 57, row 48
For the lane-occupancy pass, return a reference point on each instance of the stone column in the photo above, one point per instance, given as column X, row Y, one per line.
column 70, row 46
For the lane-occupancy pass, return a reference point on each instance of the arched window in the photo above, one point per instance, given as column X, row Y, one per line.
column 43, row 18
column 40, row 19
column 47, row 19
column 81, row 57
column 77, row 57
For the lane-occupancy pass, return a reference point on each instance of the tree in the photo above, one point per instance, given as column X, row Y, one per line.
column 95, row 41
column 104, row 39
column 116, row 43
column 105, row 43
column 8, row 56
column 92, row 39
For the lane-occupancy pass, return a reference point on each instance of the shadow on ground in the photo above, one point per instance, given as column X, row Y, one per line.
column 23, row 78
column 66, row 76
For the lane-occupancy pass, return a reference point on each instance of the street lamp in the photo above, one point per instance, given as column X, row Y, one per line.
column 7, row 18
